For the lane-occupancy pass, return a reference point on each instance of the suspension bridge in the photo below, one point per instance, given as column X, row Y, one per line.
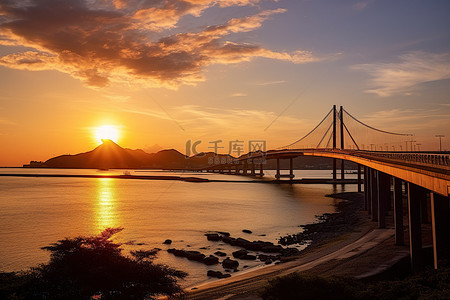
column 392, row 174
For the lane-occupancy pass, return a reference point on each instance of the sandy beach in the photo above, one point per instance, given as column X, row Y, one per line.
column 360, row 250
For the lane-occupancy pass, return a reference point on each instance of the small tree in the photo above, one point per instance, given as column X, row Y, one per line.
column 95, row 268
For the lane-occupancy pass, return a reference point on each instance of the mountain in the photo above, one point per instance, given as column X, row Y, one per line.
column 109, row 155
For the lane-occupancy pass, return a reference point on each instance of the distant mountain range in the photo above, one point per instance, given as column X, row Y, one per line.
column 109, row 155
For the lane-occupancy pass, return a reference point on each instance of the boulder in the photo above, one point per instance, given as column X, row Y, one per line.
column 230, row 264
column 213, row 237
column 272, row 249
column 167, row 242
column 241, row 243
column 228, row 240
column 220, row 253
column 247, row 231
column 210, row 260
column 195, row 255
column 248, row 257
column 177, row 252
column 240, row 253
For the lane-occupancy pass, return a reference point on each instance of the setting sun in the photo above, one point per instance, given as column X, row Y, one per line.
column 109, row 132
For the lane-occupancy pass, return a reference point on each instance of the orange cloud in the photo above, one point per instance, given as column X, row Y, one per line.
column 111, row 40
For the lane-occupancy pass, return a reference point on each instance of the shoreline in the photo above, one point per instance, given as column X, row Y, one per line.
column 344, row 241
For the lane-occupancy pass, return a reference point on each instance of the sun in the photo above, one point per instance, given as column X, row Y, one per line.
column 107, row 132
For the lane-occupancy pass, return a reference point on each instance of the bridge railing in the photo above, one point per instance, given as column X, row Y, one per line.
column 435, row 160
column 429, row 159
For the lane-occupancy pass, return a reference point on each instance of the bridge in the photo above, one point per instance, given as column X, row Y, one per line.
column 393, row 175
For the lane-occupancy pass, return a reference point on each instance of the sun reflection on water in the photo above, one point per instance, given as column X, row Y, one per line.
column 106, row 214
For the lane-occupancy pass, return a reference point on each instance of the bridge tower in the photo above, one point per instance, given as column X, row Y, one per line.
column 334, row 141
column 341, row 117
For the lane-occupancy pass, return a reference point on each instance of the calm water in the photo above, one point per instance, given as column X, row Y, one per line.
column 35, row 212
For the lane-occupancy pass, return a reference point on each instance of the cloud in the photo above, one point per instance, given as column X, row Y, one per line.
column 6, row 122
column 196, row 118
column 238, row 95
column 103, row 41
column 404, row 76
column 271, row 82
column 407, row 120
column 361, row 5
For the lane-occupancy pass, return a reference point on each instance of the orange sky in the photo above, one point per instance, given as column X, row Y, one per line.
column 169, row 71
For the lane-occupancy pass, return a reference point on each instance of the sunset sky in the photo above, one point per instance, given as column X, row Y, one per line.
column 167, row 71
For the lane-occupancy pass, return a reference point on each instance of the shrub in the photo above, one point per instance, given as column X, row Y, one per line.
column 93, row 267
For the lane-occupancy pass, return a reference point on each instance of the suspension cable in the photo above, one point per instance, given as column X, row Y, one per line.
column 308, row 132
column 326, row 132
column 393, row 133
column 354, row 142
column 329, row 140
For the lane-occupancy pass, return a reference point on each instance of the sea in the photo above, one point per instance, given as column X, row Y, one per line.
column 38, row 211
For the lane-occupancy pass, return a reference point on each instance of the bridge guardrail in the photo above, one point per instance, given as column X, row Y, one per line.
column 437, row 160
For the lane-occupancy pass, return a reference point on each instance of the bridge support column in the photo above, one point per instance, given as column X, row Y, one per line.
column 415, row 229
column 291, row 168
column 342, row 170
column 245, row 167
column 440, row 226
column 334, row 169
column 366, row 189
column 398, row 212
column 278, row 175
column 359, row 178
column 374, row 194
column 261, row 170
column 369, row 191
column 253, row 169
column 384, row 194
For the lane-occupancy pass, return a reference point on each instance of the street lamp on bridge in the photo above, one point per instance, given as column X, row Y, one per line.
column 413, row 143
column 440, row 136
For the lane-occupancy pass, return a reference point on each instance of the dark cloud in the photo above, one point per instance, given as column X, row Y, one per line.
column 108, row 40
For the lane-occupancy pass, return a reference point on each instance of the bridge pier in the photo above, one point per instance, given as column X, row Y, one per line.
column 291, row 168
column 366, row 188
column 245, row 167
column 374, row 194
column 334, row 169
column 278, row 175
column 384, row 194
column 415, row 228
column 261, row 169
column 359, row 178
column 342, row 170
column 440, row 226
column 253, row 169
column 369, row 191
column 398, row 212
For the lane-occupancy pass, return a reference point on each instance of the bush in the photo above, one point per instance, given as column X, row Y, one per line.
column 92, row 267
